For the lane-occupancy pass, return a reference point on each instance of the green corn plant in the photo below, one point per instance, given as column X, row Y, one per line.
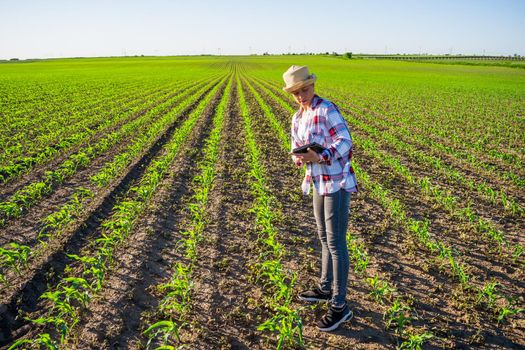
column 42, row 341
column 288, row 324
column 517, row 252
column 59, row 219
column 15, row 257
column 416, row 341
column 166, row 329
column 381, row 290
column 397, row 315
column 177, row 291
column 358, row 254
column 507, row 311
column 488, row 294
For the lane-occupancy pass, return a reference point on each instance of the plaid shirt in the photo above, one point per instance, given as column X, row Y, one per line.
column 324, row 124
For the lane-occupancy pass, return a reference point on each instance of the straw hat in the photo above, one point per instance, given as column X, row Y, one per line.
column 296, row 77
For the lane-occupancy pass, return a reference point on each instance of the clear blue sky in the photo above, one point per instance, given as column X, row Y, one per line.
column 69, row 28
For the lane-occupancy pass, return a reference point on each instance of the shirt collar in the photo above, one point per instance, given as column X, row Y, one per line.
column 315, row 103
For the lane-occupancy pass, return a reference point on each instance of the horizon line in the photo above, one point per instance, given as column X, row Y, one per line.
column 333, row 53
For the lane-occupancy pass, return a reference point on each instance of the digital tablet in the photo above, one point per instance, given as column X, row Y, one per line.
column 314, row 146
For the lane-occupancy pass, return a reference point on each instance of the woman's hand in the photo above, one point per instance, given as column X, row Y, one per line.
column 309, row 156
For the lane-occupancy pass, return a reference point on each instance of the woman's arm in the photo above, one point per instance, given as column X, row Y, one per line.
column 338, row 130
column 294, row 144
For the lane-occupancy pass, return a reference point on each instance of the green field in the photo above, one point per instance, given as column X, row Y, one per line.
column 151, row 201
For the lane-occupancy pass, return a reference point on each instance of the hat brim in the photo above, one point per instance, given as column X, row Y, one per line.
column 300, row 84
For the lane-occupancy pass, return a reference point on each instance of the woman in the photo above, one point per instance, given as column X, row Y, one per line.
column 330, row 171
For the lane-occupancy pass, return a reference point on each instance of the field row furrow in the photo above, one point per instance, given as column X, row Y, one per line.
column 54, row 224
column 73, row 293
column 22, row 199
column 278, row 282
column 175, row 306
column 438, row 193
column 398, row 313
column 95, row 125
column 401, row 127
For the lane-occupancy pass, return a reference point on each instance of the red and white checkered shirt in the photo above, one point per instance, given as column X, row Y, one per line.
column 323, row 123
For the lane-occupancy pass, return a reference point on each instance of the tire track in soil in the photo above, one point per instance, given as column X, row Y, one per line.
column 22, row 295
column 389, row 244
column 113, row 321
column 298, row 233
column 24, row 230
column 223, row 305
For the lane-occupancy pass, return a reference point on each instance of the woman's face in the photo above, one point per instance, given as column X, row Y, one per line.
column 304, row 95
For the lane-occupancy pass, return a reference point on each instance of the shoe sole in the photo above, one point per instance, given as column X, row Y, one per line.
column 347, row 318
column 314, row 300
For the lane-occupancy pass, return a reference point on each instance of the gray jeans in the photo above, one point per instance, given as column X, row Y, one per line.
column 331, row 215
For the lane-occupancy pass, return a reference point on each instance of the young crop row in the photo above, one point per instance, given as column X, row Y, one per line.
column 27, row 153
column 175, row 305
column 398, row 312
column 427, row 134
column 73, row 294
column 22, row 199
column 24, row 108
column 490, row 193
column 400, row 125
column 54, row 224
column 444, row 199
column 465, row 129
column 277, row 281
column 437, row 193
column 27, row 136
column 441, row 196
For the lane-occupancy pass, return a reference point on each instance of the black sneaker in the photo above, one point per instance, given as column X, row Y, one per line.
column 333, row 318
column 315, row 295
